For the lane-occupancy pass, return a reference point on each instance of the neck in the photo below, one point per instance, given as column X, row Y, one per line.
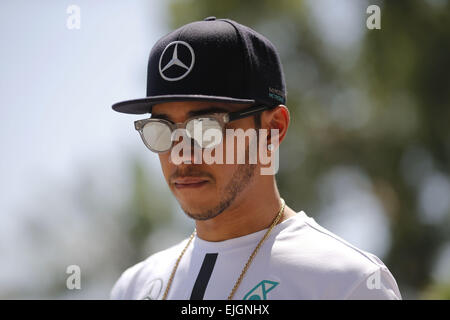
column 250, row 212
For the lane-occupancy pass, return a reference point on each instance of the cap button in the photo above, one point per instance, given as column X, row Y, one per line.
column 210, row 18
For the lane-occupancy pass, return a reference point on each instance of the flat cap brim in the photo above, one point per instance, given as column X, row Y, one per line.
column 144, row 105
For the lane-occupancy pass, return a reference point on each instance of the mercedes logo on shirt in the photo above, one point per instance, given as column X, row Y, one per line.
column 176, row 61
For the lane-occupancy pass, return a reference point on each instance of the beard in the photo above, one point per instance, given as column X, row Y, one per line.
column 240, row 179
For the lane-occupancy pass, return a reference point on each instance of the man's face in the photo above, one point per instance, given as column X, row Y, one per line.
column 206, row 190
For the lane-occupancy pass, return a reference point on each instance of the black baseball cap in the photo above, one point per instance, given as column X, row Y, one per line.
column 211, row 60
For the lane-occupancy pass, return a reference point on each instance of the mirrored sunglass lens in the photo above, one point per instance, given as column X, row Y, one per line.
column 207, row 132
column 157, row 136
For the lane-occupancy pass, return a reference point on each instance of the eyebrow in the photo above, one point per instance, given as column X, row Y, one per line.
column 193, row 113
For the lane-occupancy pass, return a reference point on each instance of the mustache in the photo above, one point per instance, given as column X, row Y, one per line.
column 190, row 171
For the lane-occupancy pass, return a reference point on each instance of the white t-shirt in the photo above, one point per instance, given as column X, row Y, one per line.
column 299, row 260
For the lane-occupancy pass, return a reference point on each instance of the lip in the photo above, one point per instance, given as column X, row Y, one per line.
column 189, row 182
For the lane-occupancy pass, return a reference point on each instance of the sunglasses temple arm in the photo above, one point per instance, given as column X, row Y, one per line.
column 247, row 113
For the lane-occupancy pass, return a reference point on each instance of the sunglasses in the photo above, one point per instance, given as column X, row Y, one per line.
column 157, row 134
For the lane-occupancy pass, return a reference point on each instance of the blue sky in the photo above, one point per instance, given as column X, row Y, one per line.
column 57, row 85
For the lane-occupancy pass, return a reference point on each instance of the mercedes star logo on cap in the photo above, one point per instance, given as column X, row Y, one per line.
column 178, row 66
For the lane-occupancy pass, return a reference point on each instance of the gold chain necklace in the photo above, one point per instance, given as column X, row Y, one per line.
column 249, row 261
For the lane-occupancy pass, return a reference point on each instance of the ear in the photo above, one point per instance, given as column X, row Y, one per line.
column 276, row 118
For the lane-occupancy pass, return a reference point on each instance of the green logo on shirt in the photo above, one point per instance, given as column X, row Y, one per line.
column 259, row 292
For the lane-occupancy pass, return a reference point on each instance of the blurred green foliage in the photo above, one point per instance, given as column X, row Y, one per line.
column 382, row 105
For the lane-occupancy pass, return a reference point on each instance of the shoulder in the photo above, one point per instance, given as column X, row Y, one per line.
column 134, row 278
column 332, row 266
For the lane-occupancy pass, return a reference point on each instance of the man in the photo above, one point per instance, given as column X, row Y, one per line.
column 208, row 82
